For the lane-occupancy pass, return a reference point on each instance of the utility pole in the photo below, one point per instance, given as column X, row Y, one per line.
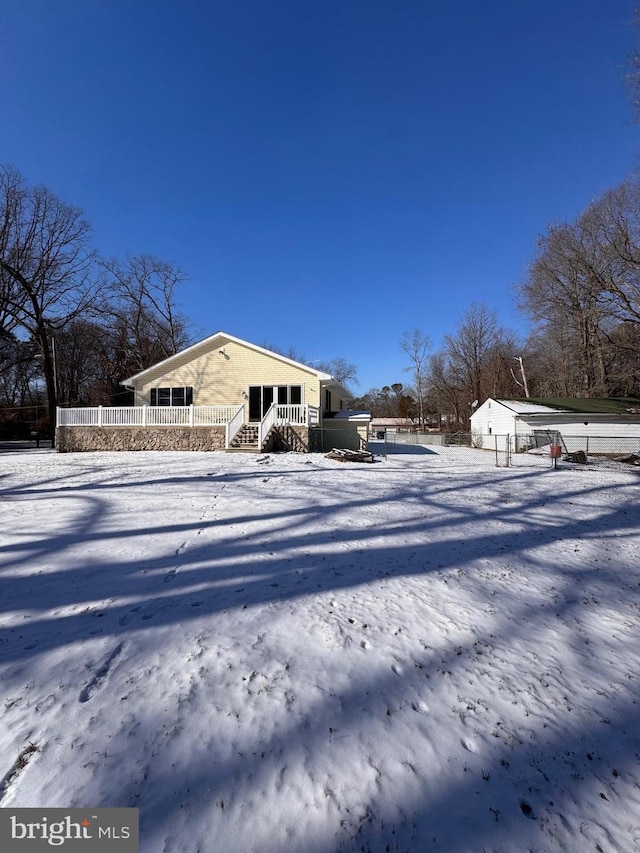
column 522, row 384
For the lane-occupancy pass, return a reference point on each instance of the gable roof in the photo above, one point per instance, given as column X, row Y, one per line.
column 573, row 405
column 209, row 343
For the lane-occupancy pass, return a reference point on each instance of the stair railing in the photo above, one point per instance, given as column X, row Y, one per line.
column 234, row 426
column 279, row 414
column 266, row 423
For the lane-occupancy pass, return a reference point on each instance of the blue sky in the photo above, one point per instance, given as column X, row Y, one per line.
column 327, row 174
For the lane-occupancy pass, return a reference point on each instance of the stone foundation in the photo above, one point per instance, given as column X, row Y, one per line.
column 80, row 439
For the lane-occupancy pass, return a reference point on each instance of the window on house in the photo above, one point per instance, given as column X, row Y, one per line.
column 164, row 397
column 181, row 396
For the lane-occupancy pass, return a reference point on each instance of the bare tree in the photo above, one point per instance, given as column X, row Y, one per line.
column 522, row 382
column 341, row 370
column 80, row 363
column 584, row 286
column 474, row 363
column 469, row 349
column 390, row 401
column 610, row 227
column 19, row 371
column 445, row 396
column 417, row 345
column 141, row 311
column 564, row 293
column 46, row 266
column 624, row 368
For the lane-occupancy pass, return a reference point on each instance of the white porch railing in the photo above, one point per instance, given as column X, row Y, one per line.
column 290, row 415
column 124, row 416
column 231, row 417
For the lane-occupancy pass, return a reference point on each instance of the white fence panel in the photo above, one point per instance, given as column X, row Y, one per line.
column 121, row 416
column 78, row 417
column 152, row 416
column 168, row 416
column 291, row 414
column 214, row 415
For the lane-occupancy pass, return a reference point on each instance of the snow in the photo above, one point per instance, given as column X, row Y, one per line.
column 288, row 653
column 523, row 408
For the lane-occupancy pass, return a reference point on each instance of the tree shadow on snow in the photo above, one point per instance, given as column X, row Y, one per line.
column 326, row 543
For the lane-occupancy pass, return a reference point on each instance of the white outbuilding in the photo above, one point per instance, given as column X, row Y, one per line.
column 533, row 422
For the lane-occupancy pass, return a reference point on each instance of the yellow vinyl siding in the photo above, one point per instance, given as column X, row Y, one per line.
column 337, row 401
column 224, row 379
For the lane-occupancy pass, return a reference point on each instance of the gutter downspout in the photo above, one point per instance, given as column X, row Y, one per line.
column 323, row 385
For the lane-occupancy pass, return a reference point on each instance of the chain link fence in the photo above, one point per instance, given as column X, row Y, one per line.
column 456, row 446
column 539, row 449
column 590, row 445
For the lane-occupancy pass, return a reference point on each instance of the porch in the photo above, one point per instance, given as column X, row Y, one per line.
column 179, row 427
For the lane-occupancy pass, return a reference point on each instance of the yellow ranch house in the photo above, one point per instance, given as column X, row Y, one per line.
column 221, row 393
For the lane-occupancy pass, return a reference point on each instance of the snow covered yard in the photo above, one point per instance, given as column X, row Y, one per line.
column 287, row 653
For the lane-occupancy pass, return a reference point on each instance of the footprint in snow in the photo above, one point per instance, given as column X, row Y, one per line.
column 182, row 548
column 468, row 744
column 128, row 617
column 170, row 575
column 420, row 707
column 526, row 810
column 101, row 674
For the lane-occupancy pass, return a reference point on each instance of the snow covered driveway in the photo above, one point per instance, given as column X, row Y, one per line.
column 287, row 653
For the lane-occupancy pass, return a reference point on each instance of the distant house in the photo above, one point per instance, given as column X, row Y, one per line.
column 614, row 417
column 222, row 392
column 378, row 426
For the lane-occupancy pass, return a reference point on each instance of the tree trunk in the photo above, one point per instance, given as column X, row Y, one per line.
column 48, row 368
